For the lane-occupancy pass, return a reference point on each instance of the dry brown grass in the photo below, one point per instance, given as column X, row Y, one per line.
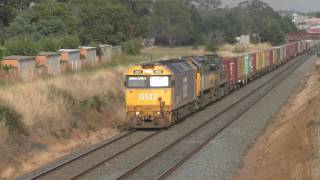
column 60, row 114
column 233, row 50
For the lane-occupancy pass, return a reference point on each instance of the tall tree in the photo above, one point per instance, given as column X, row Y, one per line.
column 140, row 21
column 173, row 22
column 43, row 19
column 105, row 21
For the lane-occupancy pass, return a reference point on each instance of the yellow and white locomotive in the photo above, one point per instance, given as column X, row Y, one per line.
column 160, row 93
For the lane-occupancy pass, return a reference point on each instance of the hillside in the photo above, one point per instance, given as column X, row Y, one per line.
column 289, row 148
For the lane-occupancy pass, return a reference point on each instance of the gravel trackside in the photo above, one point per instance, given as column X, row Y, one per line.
column 223, row 155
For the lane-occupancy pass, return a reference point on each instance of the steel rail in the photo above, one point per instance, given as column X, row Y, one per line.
column 64, row 163
column 178, row 164
column 115, row 155
column 149, row 159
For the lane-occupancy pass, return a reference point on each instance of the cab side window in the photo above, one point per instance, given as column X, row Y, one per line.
column 213, row 67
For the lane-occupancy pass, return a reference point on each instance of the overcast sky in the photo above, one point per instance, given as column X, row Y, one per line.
column 299, row 5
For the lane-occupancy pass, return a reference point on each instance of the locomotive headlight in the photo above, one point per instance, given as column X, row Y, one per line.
column 137, row 113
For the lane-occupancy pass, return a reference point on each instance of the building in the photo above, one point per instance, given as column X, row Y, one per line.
column 51, row 60
column 25, row 65
column 71, row 57
column 89, row 54
column 312, row 21
column 243, row 39
column 105, row 53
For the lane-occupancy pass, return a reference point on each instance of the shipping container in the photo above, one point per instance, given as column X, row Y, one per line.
column 116, row 51
column 247, row 65
column 241, row 68
column 25, row 65
column 51, row 60
column 230, row 65
column 88, row 55
column 266, row 62
column 269, row 58
column 275, row 54
column 259, row 61
column 253, row 64
column 71, row 57
column 105, row 53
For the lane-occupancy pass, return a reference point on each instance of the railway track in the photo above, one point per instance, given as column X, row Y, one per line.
column 164, row 162
column 55, row 171
column 172, row 156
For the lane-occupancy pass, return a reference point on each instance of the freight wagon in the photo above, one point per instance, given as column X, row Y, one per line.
column 161, row 93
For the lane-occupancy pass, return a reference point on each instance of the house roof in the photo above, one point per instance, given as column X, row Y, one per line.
column 48, row 54
column 19, row 58
column 69, row 50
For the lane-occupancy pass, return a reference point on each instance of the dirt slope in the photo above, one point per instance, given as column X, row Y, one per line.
column 290, row 146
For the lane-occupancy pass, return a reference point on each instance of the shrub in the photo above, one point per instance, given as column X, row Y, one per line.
column 70, row 42
column 21, row 46
column 12, row 120
column 132, row 47
column 212, row 47
column 50, row 44
column 2, row 53
column 239, row 49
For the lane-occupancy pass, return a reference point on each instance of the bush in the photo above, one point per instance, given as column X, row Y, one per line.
column 132, row 47
column 22, row 46
column 29, row 47
column 239, row 49
column 212, row 47
column 50, row 44
column 69, row 42
column 2, row 53
column 12, row 120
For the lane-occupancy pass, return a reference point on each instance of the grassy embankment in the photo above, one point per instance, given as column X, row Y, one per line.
column 47, row 118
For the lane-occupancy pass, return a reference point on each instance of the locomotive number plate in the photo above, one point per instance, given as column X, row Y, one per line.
column 148, row 97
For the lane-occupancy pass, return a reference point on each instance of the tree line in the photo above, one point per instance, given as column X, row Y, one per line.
column 29, row 26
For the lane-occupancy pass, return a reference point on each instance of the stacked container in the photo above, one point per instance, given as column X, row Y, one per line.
column 241, row 68
column 230, row 66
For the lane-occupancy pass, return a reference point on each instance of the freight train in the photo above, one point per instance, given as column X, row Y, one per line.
column 159, row 94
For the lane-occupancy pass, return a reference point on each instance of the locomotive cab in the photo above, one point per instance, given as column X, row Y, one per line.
column 148, row 96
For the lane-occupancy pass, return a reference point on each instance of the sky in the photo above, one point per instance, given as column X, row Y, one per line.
column 298, row 5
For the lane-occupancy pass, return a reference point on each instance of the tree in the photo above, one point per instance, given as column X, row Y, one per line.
column 21, row 26
column 139, row 17
column 10, row 8
column 43, row 19
column 21, row 46
column 272, row 32
column 105, row 21
column 173, row 22
column 69, row 41
column 2, row 33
